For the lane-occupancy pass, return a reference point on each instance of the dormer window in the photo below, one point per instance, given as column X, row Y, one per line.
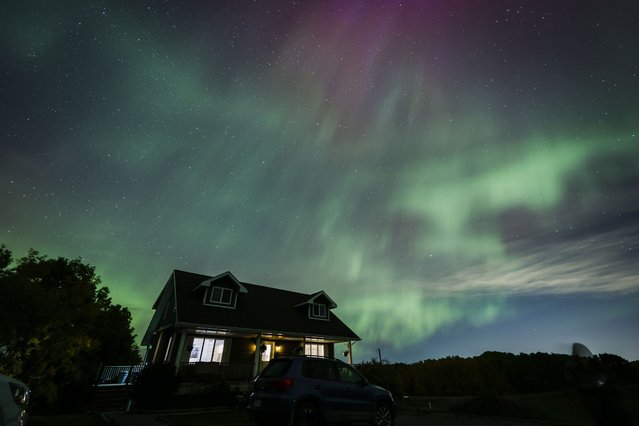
column 318, row 310
column 222, row 291
column 221, row 296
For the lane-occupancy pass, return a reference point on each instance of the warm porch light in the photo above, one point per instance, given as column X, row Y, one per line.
column 278, row 348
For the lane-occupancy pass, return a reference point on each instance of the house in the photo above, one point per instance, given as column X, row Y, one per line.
column 219, row 327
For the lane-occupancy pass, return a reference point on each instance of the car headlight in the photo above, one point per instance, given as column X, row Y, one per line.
column 20, row 394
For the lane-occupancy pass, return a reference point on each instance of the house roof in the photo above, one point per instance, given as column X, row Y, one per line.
column 258, row 308
column 317, row 298
column 236, row 283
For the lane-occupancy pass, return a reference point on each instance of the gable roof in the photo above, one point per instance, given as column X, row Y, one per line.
column 258, row 309
column 317, row 298
column 209, row 282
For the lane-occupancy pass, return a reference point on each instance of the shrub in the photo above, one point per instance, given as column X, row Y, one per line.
column 155, row 387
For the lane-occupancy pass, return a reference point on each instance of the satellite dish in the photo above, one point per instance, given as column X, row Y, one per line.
column 581, row 350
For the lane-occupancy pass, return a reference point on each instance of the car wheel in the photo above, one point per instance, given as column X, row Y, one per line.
column 383, row 415
column 307, row 414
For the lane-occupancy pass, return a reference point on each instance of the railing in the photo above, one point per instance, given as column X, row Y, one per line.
column 209, row 371
column 118, row 374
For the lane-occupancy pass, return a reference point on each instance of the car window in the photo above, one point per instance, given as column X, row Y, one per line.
column 318, row 369
column 276, row 368
column 348, row 374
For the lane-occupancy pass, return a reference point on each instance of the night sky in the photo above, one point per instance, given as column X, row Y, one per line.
column 459, row 176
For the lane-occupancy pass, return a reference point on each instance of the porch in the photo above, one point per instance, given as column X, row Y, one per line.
column 187, row 372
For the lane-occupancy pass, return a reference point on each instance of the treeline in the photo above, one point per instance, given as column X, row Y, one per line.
column 492, row 373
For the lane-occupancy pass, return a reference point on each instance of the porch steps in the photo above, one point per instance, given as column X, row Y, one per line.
column 110, row 398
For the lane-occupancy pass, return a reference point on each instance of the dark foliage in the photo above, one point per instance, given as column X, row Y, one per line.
column 58, row 326
column 155, row 387
column 492, row 373
column 620, row 370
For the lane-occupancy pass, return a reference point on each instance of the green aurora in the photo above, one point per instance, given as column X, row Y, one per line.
column 438, row 177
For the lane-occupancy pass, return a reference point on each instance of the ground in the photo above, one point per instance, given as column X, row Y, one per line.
column 549, row 409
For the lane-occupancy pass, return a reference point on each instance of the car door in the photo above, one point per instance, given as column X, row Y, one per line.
column 325, row 384
column 355, row 394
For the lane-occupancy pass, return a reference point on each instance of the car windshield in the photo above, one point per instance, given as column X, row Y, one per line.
column 276, row 368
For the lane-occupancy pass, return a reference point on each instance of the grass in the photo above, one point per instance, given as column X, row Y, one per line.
column 561, row 407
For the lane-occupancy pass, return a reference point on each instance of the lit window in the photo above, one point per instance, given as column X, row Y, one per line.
column 207, row 350
column 318, row 310
column 313, row 349
column 221, row 295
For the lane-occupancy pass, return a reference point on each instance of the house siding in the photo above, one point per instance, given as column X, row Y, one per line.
column 242, row 349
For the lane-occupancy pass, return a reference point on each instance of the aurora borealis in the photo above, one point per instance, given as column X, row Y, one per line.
column 459, row 176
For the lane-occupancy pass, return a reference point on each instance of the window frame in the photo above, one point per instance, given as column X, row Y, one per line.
column 315, row 347
column 223, row 291
column 216, row 356
column 318, row 315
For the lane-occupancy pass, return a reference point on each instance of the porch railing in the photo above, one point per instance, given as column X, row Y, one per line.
column 208, row 371
column 118, row 374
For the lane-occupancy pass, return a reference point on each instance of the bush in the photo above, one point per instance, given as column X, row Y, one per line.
column 155, row 387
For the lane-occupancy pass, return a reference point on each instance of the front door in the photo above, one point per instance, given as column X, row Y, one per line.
column 268, row 351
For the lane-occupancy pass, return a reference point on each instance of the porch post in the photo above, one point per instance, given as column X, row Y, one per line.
column 178, row 354
column 350, row 353
column 156, row 349
column 258, row 354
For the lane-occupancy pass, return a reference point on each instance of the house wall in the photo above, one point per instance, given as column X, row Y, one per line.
column 168, row 316
column 237, row 349
column 240, row 360
column 242, row 349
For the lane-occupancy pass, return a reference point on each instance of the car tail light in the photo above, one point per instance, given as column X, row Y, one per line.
column 283, row 384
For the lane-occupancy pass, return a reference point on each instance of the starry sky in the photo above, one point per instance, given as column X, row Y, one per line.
column 459, row 176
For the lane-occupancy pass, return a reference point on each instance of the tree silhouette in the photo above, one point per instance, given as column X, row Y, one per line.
column 58, row 326
column 492, row 373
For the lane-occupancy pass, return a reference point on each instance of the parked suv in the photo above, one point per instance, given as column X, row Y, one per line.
column 14, row 398
column 314, row 391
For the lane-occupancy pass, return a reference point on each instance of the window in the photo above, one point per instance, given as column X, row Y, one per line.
column 221, row 295
column 319, row 369
column 207, row 350
column 349, row 375
column 318, row 310
column 313, row 349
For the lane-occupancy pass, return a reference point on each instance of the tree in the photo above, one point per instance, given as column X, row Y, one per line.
column 58, row 326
